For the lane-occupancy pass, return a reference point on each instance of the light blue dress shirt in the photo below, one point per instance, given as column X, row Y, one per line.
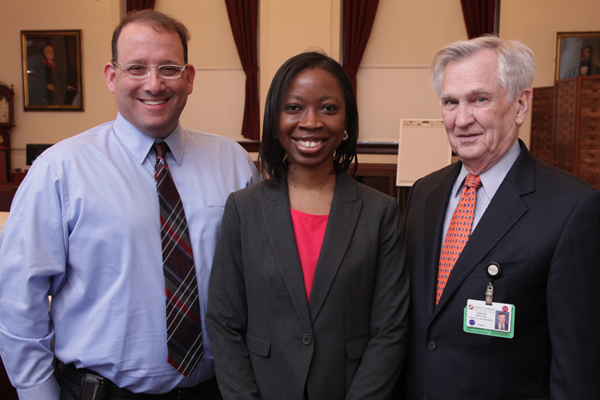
column 84, row 228
column 490, row 182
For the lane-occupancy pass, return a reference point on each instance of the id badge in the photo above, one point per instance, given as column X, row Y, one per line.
column 497, row 319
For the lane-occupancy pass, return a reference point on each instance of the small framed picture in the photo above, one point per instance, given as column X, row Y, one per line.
column 52, row 75
column 577, row 54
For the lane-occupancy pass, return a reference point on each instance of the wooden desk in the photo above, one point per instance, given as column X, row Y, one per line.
column 383, row 178
column 379, row 176
column 7, row 193
column 17, row 176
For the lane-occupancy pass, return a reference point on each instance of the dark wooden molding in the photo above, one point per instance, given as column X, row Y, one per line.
column 373, row 169
column 252, row 146
column 377, row 148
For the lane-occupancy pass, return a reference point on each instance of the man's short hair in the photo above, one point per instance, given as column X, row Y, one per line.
column 159, row 22
column 516, row 65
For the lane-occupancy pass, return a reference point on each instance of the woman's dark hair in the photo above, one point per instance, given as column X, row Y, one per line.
column 271, row 154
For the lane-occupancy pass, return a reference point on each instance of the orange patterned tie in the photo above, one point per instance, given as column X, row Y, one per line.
column 458, row 233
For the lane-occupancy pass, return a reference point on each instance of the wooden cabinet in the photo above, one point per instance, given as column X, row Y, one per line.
column 17, row 176
column 565, row 126
column 7, row 193
column 542, row 124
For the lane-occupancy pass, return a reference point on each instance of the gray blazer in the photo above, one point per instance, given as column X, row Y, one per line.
column 349, row 340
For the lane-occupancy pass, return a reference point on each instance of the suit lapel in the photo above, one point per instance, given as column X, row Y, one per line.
column 343, row 216
column 505, row 209
column 436, row 201
column 278, row 222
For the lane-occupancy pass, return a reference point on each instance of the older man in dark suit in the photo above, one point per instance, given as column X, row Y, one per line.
column 529, row 245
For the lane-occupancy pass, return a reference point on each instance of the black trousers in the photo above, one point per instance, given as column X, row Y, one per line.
column 70, row 390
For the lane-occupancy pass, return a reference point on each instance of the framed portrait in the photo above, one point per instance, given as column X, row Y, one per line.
column 577, row 54
column 52, row 74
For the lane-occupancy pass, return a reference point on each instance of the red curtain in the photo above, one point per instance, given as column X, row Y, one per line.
column 358, row 19
column 139, row 5
column 243, row 18
column 479, row 16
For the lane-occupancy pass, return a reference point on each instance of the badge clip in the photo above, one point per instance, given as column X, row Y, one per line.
column 493, row 271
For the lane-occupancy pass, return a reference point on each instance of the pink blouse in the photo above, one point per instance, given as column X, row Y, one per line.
column 309, row 231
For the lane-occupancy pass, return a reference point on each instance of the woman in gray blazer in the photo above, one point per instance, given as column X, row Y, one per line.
column 308, row 294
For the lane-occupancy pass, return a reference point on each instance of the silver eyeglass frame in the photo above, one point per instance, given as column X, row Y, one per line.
column 123, row 67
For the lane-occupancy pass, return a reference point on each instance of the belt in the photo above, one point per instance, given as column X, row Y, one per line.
column 77, row 375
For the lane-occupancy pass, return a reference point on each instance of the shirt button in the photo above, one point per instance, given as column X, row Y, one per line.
column 306, row 340
column 431, row 345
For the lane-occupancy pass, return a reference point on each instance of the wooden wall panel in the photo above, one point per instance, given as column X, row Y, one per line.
column 588, row 161
column 565, row 123
column 542, row 124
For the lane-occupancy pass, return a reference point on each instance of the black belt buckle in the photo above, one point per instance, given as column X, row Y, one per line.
column 179, row 394
column 93, row 387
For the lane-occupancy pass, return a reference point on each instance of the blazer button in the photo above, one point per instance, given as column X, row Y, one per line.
column 431, row 345
column 306, row 340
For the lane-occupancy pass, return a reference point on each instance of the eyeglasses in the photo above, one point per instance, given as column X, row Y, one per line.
column 139, row 71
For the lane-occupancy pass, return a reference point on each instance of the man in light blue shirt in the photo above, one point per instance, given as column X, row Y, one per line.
column 84, row 229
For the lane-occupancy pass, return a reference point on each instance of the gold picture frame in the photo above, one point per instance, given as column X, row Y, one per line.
column 52, row 73
column 577, row 53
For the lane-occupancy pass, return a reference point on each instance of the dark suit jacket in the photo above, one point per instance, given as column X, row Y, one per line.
column 543, row 228
column 505, row 328
column 349, row 340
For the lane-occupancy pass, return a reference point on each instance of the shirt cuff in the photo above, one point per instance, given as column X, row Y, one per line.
column 48, row 390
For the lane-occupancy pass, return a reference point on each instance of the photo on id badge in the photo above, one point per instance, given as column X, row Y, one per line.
column 496, row 319
column 502, row 320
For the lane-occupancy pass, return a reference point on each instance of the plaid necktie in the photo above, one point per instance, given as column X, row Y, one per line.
column 184, row 332
column 458, row 233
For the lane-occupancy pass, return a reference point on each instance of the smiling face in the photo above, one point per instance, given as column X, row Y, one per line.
column 501, row 319
column 480, row 121
column 152, row 104
column 312, row 120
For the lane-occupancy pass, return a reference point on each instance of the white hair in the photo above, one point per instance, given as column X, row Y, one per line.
column 516, row 65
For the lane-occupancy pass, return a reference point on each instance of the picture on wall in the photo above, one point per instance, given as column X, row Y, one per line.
column 52, row 77
column 577, row 54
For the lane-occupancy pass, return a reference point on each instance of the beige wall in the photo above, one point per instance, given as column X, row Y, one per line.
column 393, row 79
column 291, row 27
column 217, row 102
column 96, row 20
column 536, row 22
column 394, row 75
